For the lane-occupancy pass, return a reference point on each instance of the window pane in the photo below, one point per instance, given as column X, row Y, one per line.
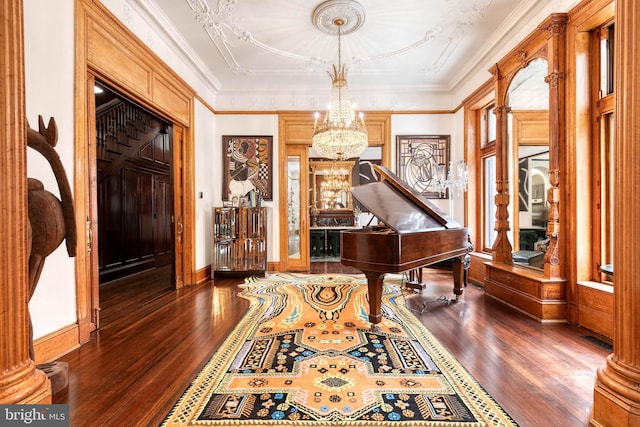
column 489, row 193
column 491, row 124
column 608, row 190
column 606, row 60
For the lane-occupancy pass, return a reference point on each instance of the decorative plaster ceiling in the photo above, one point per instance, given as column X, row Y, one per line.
column 254, row 49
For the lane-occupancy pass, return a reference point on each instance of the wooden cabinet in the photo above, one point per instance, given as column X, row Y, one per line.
column 239, row 241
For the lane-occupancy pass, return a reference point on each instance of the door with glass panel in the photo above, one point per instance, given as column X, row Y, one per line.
column 296, row 233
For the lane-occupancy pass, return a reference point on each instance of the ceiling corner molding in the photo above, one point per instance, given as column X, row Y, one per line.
column 151, row 13
column 499, row 42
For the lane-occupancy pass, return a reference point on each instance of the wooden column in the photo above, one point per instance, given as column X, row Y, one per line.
column 617, row 390
column 555, row 28
column 501, row 250
column 20, row 381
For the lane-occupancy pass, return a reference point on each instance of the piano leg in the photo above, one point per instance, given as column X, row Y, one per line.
column 374, row 283
column 458, row 276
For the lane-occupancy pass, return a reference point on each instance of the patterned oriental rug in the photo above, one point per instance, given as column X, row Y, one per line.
column 305, row 354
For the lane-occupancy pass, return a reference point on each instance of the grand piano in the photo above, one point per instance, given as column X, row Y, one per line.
column 413, row 234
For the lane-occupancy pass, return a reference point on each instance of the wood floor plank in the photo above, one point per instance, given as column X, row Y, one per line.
column 153, row 343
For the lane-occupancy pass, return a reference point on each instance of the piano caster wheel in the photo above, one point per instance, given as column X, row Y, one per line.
column 375, row 327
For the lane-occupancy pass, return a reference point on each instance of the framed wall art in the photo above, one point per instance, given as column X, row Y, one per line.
column 247, row 165
column 418, row 161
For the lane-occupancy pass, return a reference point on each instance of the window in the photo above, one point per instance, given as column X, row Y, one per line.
column 607, row 171
column 488, row 136
column 606, row 35
column 488, row 201
column 488, row 171
column 604, row 140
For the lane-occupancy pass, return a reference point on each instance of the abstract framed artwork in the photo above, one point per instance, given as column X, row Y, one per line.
column 247, row 165
column 418, row 159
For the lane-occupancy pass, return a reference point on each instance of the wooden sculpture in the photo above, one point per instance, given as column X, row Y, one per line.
column 50, row 222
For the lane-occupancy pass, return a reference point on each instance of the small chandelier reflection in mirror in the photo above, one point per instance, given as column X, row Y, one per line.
column 340, row 135
column 335, row 182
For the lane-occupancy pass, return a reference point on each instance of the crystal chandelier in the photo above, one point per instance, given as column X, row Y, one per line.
column 340, row 135
column 455, row 180
column 452, row 183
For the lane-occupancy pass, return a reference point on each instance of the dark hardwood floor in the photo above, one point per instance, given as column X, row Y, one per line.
column 152, row 344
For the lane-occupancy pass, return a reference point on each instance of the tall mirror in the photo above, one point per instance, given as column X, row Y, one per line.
column 527, row 108
column 527, row 257
column 331, row 183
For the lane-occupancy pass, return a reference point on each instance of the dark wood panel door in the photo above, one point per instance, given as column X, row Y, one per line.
column 163, row 230
column 135, row 194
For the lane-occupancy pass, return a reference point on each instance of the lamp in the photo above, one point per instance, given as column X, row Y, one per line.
column 340, row 135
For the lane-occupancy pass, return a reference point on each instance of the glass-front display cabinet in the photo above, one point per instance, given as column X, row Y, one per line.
column 239, row 240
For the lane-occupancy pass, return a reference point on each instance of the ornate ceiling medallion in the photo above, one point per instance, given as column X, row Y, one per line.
column 349, row 12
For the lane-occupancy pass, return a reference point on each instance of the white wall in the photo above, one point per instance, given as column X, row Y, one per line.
column 49, row 81
column 206, row 185
column 251, row 124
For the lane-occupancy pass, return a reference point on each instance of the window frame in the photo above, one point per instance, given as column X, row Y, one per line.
column 487, row 149
column 603, row 102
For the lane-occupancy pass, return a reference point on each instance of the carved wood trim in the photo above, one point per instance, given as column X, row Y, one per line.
column 527, row 291
column 99, row 38
column 20, row 381
column 547, row 41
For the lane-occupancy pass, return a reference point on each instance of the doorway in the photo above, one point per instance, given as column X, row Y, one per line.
column 294, row 135
column 134, row 191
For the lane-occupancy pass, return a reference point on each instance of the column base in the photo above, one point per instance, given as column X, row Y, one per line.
column 25, row 385
column 616, row 401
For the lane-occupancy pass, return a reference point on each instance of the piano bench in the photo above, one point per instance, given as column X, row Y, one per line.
column 333, row 242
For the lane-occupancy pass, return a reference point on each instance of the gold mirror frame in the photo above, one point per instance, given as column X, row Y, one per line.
column 318, row 168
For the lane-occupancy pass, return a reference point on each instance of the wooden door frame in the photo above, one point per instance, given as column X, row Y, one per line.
column 295, row 128
column 107, row 50
column 303, row 263
column 91, row 221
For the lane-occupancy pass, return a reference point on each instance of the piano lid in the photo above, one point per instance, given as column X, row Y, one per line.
column 399, row 207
